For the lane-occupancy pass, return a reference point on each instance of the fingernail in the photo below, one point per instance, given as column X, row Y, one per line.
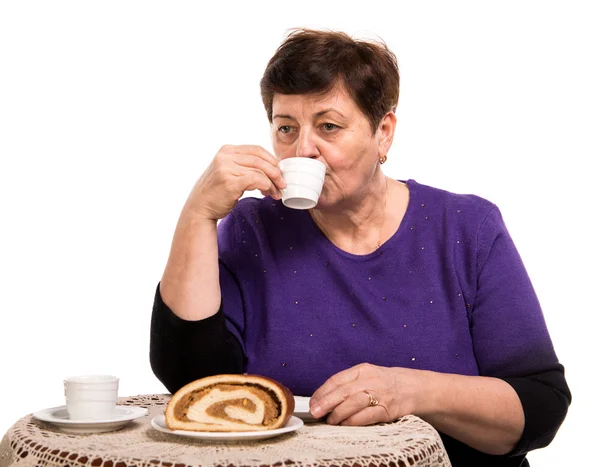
column 316, row 411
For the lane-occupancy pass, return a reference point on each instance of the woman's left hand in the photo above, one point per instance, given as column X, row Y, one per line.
column 395, row 392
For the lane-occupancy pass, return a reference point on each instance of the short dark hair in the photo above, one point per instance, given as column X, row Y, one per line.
column 315, row 61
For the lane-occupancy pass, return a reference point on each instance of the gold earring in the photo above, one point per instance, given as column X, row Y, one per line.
column 383, row 159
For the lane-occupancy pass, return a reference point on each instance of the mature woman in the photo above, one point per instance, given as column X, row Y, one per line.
column 387, row 291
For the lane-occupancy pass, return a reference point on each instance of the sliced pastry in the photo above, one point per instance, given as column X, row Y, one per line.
column 230, row 403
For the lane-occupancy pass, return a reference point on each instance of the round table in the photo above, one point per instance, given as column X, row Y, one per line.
column 407, row 442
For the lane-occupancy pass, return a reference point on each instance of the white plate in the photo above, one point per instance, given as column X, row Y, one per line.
column 302, row 409
column 59, row 417
column 158, row 423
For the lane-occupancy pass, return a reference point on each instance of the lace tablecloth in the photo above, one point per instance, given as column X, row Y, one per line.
column 408, row 442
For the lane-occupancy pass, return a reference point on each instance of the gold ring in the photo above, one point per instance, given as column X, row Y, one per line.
column 372, row 401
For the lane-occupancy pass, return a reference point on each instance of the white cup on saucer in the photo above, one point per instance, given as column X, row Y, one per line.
column 304, row 178
column 91, row 397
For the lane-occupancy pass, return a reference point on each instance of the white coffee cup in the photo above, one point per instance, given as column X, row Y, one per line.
column 91, row 397
column 304, row 178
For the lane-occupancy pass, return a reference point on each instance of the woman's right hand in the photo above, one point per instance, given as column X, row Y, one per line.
column 234, row 170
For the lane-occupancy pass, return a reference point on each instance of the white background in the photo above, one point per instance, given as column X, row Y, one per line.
column 109, row 111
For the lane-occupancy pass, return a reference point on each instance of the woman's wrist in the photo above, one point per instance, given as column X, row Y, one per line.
column 427, row 395
column 192, row 218
column 416, row 391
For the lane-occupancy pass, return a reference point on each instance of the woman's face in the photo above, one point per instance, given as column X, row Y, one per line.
column 333, row 130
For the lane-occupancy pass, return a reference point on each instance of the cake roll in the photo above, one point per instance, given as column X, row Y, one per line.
column 230, row 403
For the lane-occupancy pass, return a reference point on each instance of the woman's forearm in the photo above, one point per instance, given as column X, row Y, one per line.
column 482, row 412
column 190, row 282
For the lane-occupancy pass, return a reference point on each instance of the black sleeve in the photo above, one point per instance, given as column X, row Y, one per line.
column 182, row 351
column 545, row 398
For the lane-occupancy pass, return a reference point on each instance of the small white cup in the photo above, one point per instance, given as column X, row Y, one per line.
column 304, row 178
column 91, row 397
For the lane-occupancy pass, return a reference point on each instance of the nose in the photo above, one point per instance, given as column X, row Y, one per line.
column 306, row 145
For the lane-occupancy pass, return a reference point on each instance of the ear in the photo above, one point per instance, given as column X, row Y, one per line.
column 386, row 130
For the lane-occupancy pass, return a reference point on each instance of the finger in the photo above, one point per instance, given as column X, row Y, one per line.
column 254, row 162
column 330, row 401
column 276, row 195
column 368, row 416
column 258, row 151
column 337, row 380
column 254, row 179
column 354, row 404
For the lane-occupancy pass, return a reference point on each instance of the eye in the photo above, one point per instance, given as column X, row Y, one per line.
column 284, row 129
column 330, row 126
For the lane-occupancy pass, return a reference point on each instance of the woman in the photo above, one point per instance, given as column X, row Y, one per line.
column 389, row 298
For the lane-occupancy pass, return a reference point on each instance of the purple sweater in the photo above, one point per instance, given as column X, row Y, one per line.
column 448, row 292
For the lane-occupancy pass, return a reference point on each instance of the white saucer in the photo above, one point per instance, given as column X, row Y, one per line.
column 302, row 409
column 59, row 417
column 158, row 423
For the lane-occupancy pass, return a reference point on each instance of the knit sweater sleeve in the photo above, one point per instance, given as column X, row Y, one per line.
column 510, row 337
column 182, row 351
